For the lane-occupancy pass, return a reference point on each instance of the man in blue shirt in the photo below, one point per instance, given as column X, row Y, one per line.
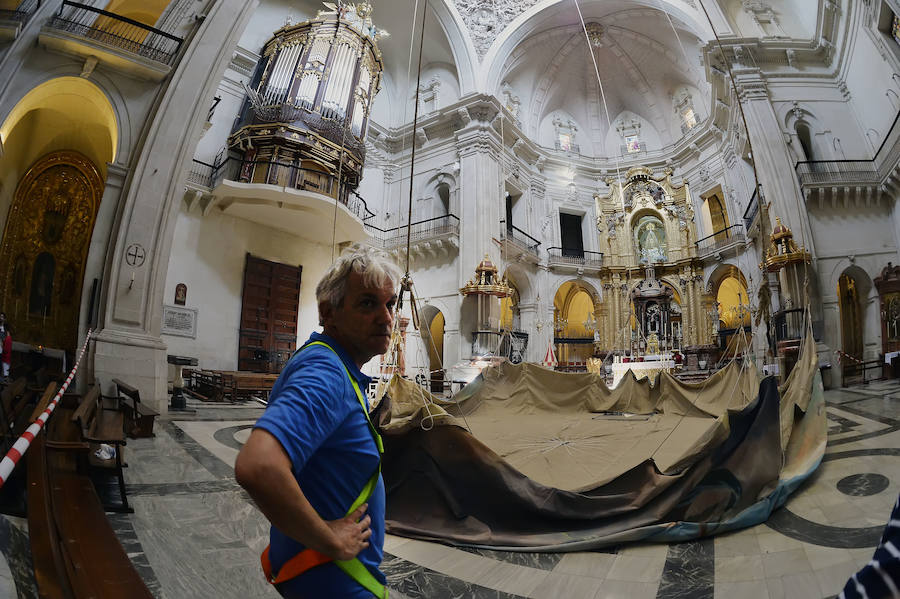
column 313, row 452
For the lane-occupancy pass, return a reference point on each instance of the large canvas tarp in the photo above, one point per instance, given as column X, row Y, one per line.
column 527, row 458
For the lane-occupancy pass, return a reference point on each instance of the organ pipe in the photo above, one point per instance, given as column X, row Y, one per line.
column 318, row 81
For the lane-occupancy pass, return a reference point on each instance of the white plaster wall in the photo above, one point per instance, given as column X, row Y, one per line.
column 269, row 16
column 869, row 79
column 208, row 255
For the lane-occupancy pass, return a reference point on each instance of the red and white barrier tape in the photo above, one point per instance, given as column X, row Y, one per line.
column 8, row 464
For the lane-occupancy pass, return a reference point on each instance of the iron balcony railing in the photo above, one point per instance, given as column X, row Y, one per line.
column 574, row 257
column 519, row 238
column 280, row 174
column 422, row 230
column 751, row 211
column 202, row 174
column 116, row 31
column 21, row 14
column 721, row 239
column 822, row 173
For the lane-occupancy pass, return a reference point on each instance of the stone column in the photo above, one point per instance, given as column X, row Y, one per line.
column 527, row 320
column 774, row 165
column 128, row 346
column 479, row 185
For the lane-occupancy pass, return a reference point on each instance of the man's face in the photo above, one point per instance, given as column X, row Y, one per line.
column 362, row 323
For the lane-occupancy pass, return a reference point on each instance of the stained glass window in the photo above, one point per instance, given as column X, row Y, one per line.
column 565, row 141
column 895, row 29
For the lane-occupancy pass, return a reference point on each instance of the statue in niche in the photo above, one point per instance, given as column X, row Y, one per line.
column 42, row 285
column 651, row 242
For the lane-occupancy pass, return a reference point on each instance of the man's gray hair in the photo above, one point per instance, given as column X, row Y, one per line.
column 375, row 266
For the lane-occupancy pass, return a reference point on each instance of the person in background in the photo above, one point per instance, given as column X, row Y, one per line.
column 312, row 461
column 5, row 346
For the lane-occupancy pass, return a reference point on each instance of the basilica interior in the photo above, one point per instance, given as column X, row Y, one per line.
column 627, row 189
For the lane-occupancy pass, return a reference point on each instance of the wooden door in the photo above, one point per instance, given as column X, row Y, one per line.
column 269, row 306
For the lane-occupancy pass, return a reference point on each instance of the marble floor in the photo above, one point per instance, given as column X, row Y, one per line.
column 194, row 532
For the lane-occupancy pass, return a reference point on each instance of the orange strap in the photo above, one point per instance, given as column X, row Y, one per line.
column 297, row 565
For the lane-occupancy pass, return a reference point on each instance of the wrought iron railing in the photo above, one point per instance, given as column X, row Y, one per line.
column 870, row 171
column 574, row 257
column 281, row 174
column 720, row 239
column 22, row 13
column 422, row 230
column 519, row 237
column 202, row 174
column 116, row 31
column 752, row 209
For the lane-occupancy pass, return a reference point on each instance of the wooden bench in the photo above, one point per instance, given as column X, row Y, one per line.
column 74, row 549
column 100, row 422
column 139, row 417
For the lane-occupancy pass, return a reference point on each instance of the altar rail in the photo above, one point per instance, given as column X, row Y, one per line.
column 117, row 31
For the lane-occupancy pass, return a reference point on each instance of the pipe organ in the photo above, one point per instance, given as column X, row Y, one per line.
column 307, row 111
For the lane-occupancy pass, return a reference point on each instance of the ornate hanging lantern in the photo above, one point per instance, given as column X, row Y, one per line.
column 782, row 249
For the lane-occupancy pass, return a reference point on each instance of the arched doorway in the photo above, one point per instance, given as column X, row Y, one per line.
column 849, row 294
column 45, row 247
column 57, row 142
column 575, row 324
column 433, row 339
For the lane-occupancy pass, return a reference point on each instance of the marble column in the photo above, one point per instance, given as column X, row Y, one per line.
column 128, row 345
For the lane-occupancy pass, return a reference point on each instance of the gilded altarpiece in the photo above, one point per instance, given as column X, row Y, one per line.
column 648, row 221
column 45, row 245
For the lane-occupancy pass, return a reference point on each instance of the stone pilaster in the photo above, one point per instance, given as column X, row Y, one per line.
column 774, row 164
column 128, row 346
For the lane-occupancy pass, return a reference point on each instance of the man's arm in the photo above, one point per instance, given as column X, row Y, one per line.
column 264, row 470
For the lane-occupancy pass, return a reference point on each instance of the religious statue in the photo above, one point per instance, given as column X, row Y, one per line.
column 651, row 248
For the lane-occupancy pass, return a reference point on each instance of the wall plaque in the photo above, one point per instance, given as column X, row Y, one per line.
column 179, row 321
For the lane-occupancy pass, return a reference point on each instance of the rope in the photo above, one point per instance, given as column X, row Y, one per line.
column 8, row 464
column 412, row 158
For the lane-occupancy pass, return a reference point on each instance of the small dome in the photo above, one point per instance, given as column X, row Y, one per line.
column 780, row 231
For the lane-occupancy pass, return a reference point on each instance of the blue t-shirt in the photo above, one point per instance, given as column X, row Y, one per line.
column 315, row 414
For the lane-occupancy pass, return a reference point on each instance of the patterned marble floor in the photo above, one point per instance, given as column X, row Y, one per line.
column 194, row 532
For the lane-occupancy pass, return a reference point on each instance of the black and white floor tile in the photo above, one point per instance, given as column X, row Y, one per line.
column 194, row 532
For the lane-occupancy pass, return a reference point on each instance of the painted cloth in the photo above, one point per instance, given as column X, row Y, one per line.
column 315, row 414
column 881, row 576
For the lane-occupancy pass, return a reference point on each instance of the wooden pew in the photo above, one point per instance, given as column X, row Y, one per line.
column 74, row 549
column 138, row 416
column 103, row 424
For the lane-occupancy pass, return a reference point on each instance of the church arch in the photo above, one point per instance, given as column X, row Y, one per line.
column 45, row 246
column 854, row 286
column 432, row 333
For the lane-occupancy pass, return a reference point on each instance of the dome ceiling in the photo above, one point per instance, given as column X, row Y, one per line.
column 639, row 58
